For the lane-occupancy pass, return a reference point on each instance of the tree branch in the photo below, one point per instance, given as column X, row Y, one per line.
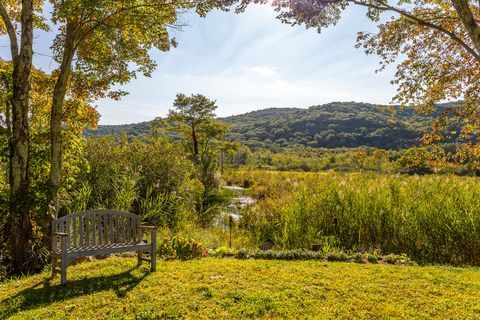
column 385, row 7
column 12, row 34
column 115, row 13
column 468, row 20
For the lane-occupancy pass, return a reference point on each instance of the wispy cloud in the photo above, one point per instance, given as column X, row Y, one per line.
column 252, row 61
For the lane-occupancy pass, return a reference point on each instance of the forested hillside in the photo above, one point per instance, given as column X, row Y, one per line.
column 332, row 125
column 133, row 129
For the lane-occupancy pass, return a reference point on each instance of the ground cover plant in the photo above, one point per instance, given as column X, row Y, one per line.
column 432, row 219
column 228, row 288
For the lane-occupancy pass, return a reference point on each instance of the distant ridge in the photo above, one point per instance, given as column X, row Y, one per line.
column 331, row 125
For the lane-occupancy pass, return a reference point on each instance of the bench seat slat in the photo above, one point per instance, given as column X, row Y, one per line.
column 131, row 246
column 108, row 250
column 115, row 245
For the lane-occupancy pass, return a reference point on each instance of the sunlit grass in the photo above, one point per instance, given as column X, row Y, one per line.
column 229, row 288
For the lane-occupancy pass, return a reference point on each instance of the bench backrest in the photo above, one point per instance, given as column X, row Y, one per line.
column 98, row 227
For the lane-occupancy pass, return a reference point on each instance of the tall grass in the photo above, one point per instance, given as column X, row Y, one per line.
column 433, row 219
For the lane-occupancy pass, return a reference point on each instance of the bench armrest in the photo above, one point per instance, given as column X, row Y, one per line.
column 148, row 227
column 60, row 234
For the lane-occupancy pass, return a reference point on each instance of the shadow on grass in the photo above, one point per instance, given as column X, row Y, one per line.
column 37, row 296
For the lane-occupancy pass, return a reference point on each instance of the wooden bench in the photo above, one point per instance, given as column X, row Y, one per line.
column 99, row 232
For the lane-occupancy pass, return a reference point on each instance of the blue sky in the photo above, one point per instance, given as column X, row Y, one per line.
column 247, row 62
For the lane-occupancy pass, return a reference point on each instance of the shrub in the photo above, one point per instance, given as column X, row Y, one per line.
column 288, row 255
column 372, row 258
column 182, row 249
column 242, row 253
column 337, row 256
column 359, row 258
column 397, row 259
column 222, row 252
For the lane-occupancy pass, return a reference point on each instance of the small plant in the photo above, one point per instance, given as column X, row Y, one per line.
column 337, row 256
column 222, row 252
column 397, row 259
column 242, row 253
column 207, row 291
column 236, row 296
column 182, row 249
column 359, row 258
column 372, row 258
column 288, row 255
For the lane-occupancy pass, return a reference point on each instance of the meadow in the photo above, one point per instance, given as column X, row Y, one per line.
column 237, row 289
column 432, row 218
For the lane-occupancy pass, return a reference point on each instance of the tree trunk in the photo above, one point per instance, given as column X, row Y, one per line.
column 56, row 117
column 21, row 231
column 468, row 20
column 195, row 142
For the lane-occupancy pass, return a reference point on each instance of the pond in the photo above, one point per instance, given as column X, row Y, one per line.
column 234, row 209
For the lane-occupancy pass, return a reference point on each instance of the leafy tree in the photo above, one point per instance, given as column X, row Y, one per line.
column 192, row 119
column 415, row 161
column 77, row 115
column 16, row 15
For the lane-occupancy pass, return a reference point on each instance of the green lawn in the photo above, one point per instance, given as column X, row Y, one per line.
column 227, row 288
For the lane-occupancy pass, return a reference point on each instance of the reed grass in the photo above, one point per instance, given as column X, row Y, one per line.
column 432, row 219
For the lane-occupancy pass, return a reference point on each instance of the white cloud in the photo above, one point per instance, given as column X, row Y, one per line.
column 263, row 72
column 252, row 61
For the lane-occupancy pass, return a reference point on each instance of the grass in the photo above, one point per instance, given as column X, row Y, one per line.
column 432, row 219
column 227, row 289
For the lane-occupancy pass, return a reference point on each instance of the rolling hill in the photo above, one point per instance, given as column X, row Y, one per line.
column 332, row 125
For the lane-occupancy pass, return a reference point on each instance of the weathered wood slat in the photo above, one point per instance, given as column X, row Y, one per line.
column 108, row 250
column 111, row 246
column 67, row 227
column 87, row 229
column 75, row 242
column 133, row 231
column 120, row 228
column 104, row 228
column 80, row 228
column 125, row 224
column 115, row 229
column 128, row 229
column 110, row 227
column 94, row 227
column 99, row 228
column 139, row 231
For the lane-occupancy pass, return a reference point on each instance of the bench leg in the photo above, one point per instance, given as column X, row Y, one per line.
column 139, row 258
column 54, row 265
column 64, row 274
column 153, row 250
column 64, row 260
